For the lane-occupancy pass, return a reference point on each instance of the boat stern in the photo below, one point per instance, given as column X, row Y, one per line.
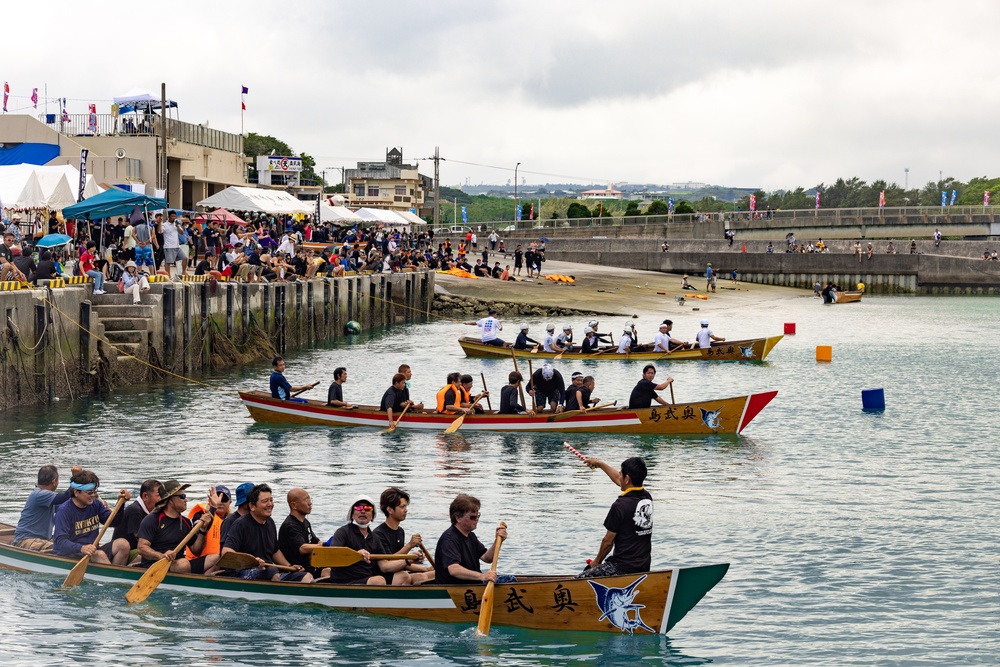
column 754, row 404
column 688, row 586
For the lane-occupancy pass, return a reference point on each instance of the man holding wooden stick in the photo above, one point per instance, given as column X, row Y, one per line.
column 165, row 527
column 79, row 519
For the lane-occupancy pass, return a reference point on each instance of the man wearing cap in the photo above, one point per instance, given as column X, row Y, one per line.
column 523, row 339
column 590, row 343
column 357, row 535
column 644, row 392
column 548, row 387
column 600, row 339
column 256, row 534
column 242, row 509
column 629, row 339
column 128, row 529
column 549, row 341
column 565, row 339
column 671, row 343
column 166, row 526
column 78, row 522
column 705, row 336
column 578, row 393
column 490, row 326
column 296, row 538
column 459, row 552
column 661, row 342
column 218, row 504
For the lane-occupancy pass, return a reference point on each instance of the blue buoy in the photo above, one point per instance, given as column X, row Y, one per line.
column 873, row 400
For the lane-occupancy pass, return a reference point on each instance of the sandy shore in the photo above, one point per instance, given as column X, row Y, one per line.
column 619, row 291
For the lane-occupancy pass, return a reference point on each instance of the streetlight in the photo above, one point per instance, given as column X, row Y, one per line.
column 515, row 192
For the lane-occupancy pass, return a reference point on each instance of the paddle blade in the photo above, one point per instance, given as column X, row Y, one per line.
column 154, row 576
column 485, row 612
column 234, row 560
column 75, row 575
column 334, row 557
column 455, row 425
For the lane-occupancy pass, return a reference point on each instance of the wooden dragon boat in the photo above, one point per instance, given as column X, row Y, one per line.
column 727, row 415
column 754, row 349
column 650, row 602
column 848, row 297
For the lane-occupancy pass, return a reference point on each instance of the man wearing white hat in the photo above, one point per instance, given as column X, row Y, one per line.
column 565, row 339
column 523, row 339
column 705, row 336
column 548, row 386
column 549, row 341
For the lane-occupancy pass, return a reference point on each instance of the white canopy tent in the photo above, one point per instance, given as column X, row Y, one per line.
column 21, row 191
column 383, row 216
column 141, row 98
column 59, row 182
column 238, row 198
column 338, row 214
column 414, row 219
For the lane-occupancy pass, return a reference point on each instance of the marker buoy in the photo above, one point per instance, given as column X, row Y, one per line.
column 824, row 353
column 873, row 400
column 789, row 328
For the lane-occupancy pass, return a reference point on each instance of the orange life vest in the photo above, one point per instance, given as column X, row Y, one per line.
column 213, row 539
column 442, row 392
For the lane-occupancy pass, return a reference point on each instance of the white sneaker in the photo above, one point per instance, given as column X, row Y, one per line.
column 98, row 291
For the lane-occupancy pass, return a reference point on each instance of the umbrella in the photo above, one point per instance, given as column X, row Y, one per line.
column 53, row 240
column 543, row 240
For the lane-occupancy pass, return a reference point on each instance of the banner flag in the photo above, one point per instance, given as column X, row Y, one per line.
column 34, row 97
column 517, row 213
column 65, row 115
column 92, row 121
column 817, row 200
column 881, row 199
column 465, row 216
column 944, row 198
column 83, row 174
column 986, row 198
column 6, row 94
column 531, row 212
column 954, row 195
column 243, row 100
column 670, row 204
column 753, row 203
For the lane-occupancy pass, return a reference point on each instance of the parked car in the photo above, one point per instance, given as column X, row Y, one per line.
column 454, row 229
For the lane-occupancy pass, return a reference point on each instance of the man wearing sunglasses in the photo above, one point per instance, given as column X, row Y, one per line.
column 166, row 526
column 79, row 519
column 459, row 551
column 359, row 536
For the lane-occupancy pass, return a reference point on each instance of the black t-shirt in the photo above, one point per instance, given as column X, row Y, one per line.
column 642, row 395
column 162, row 532
column 571, row 403
column 590, row 344
column 292, row 535
column 631, row 519
column 249, row 536
column 454, row 547
column 393, row 398
column 227, row 523
column 392, row 540
column 128, row 527
column 25, row 264
column 336, row 393
column 46, row 270
column 350, row 535
column 508, row 401
column 554, row 388
column 204, row 266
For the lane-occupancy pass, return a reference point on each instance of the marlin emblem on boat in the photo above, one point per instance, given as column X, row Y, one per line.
column 616, row 604
column 711, row 418
column 747, row 351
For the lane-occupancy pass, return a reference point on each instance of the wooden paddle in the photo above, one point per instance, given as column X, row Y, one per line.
column 531, row 386
column 457, row 424
column 396, row 423
column 482, row 376
column 520, row 388
column 235, row 560
column 486, row 605
column 427, row 555
column 344, row 556
column 534, row 350
column 574, row 413
column 559, row 356
column 305, row 389
column 156, row 573
column 672, row 399
column 75, row 575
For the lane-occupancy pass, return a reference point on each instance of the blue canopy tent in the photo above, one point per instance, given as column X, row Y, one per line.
column 110, row 203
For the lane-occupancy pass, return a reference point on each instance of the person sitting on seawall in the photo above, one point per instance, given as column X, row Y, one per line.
column 280, row 388
column 548, row 387
column 468, row 401
column 87, row 259
column 644, row 392
column 34, row 527
column 459, row 552
column 490, row 326
column 133, row 283
column 522, row 339
column 78, row 522
column 166, row 527
column 358, row 535
column 256, row 534
column 509, row 394
column 629, row 523
column 47, row 269
column 335, row 395
column 705, row 337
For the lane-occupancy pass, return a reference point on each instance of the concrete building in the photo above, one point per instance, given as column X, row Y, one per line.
column 200, row 161
column 389, row 185
column 610, row 193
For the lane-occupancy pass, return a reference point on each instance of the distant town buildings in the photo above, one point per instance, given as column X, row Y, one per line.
column 390, row 185
column 607, row 194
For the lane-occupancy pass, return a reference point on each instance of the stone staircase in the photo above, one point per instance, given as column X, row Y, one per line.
column 128, row 327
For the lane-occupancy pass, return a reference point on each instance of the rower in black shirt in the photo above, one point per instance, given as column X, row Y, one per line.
column 296, row 538
column 335, row 396
column 395, row 505
column 357, row 535
column 509, row 396
column 522, row 339
column 645, row 390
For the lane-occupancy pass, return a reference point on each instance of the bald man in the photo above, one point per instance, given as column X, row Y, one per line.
column 295, row 537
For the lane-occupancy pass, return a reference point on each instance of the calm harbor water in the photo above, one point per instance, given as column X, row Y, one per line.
column 854, row 538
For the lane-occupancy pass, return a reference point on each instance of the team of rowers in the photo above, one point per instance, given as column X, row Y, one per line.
column 154, row 526
column 547, row 388
column 594, row 341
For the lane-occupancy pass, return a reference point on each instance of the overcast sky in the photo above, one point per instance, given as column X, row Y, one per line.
column 742, row 93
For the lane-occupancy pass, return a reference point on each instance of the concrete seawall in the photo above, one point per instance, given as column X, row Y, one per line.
column 47, row 352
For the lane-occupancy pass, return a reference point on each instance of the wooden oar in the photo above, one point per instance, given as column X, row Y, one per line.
column 235, row 560
column 427, row 554
column 531, row 387
column 302, row 391
column 672, row 399
column 559, row 356
column 156, row 573
column 344, row 556
column 457, row 424
column 534, row 350
column 75, row 575
column 482, row 376
column 486, row 605
column 574, row 413
column 520, row 388
column 599, row 352
column 396, row 423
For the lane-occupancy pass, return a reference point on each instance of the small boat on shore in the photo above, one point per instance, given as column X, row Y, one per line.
column 644, row 603
column 753, row 349
column 727, row 415
column 848, row 297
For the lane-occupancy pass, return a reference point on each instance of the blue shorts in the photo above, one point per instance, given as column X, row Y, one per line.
column 143, row 255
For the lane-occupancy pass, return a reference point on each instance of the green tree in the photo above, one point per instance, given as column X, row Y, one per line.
column 683, row 206
column 658, row 207
column 632, row 208
column 578, row 210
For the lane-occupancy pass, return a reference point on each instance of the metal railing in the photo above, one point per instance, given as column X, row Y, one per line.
column 138, row 125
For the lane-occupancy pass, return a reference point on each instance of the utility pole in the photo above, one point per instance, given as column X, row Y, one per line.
column 437, row 188
column 162, row 180
column 515, row 191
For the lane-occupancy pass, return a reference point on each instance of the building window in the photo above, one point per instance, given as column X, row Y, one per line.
column 359, row 189
column 400, row 190
column 373, row 191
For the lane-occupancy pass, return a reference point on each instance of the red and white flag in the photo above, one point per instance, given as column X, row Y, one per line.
column 6, row 94
column 753, row 202
column 881, row 199
column 34, row 97
column 817, row 200
column 986, row 198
